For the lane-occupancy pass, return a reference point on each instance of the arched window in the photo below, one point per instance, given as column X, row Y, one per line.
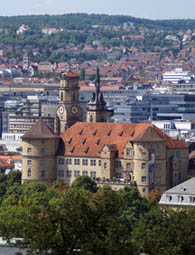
column 61, row 96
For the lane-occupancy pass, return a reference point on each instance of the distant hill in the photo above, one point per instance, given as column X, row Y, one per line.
column 82, row 21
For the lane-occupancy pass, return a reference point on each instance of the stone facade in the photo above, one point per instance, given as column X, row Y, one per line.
column 39, row 147
column 69, row 110
column 145, row 159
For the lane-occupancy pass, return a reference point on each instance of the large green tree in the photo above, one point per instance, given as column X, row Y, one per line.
column 85, row 182
column 66, row 221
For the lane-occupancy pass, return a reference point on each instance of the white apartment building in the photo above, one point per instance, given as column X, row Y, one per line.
column 177, row 75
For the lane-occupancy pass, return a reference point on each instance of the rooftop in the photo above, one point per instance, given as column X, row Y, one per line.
column 88, row 139
column 39, row 130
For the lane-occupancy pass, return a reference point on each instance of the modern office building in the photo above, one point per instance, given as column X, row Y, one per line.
column 178, row 75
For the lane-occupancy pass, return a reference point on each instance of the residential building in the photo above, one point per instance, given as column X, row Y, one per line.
column 180, row 196
column 178, row 75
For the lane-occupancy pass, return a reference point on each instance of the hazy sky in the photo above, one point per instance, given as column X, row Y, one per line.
column 152, row 9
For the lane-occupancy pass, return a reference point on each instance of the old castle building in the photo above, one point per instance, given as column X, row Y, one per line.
column 120, row 154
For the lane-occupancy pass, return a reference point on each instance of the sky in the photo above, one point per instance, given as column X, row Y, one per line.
column 150, row 9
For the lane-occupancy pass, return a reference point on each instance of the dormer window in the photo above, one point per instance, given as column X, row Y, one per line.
column 121, row 133
column 94, row 133
column 83, row 142
column 69, row 141
column 72, row 150
column 86, row 151
column 80, row 133
column 132, row 134
column 98, row 141
column 128, row 151
column 109, row 133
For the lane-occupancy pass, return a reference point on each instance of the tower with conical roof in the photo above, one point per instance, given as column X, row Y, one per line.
column 39, row 147
column 97, row 110
column 69, row 110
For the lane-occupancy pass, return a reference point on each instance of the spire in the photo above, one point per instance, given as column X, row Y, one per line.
column 97, row 82
column 97, row 96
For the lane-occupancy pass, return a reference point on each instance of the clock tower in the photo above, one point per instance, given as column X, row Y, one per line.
column 69, row 110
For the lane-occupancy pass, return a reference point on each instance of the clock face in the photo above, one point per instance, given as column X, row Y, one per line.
column 61, row 109
column 75, row 109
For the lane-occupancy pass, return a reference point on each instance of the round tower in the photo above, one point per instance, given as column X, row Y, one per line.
column 39, row 147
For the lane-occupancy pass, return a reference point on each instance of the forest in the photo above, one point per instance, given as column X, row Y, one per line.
column 83, row 20
column 86, row 219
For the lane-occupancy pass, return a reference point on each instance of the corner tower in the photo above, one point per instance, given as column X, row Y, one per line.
column 69, row 110
column 97, row 110
column 39, row 148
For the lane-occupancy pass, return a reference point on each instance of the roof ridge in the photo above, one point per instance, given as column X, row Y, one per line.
column 40, row 130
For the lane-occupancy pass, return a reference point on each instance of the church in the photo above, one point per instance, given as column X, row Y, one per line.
column 117, row 154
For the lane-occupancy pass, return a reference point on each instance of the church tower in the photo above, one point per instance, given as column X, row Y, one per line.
column 69, row 110
column 97, row 110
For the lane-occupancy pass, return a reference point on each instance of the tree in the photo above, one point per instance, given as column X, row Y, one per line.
column 166, row 232
column 82, row 74
column 67, row 221
column 85, row 182
column 135, row 206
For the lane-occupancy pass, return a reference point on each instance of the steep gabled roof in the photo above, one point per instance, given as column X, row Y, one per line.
column 170, row 142
column 150, row 135
column 39, row 130
column 87, row 139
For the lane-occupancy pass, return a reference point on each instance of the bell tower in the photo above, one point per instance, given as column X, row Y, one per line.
column 69, row 110
column 97, row 110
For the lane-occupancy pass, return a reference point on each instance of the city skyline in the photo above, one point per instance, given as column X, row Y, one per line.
column 151, row 9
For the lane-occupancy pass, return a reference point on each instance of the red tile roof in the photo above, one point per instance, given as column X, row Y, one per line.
column 5, row 164
column 87, row 139
column 14, row 158
column 70, row 73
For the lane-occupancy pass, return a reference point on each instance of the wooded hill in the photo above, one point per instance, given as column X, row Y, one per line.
column 83, row 21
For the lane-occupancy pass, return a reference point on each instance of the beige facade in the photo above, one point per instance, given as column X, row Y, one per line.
column 107, row 153
column 39, row 148
column 148, row 163
column 134, row 167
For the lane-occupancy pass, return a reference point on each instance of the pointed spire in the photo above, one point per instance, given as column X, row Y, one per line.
column 97, row 81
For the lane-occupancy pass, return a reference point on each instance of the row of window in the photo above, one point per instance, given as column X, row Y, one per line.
column 85, row 163
column 180, row 199
column 77, row 162
column 29, row 173
column 68, row 173
column 42, row 163
column 20, row 126
column 42, row 150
